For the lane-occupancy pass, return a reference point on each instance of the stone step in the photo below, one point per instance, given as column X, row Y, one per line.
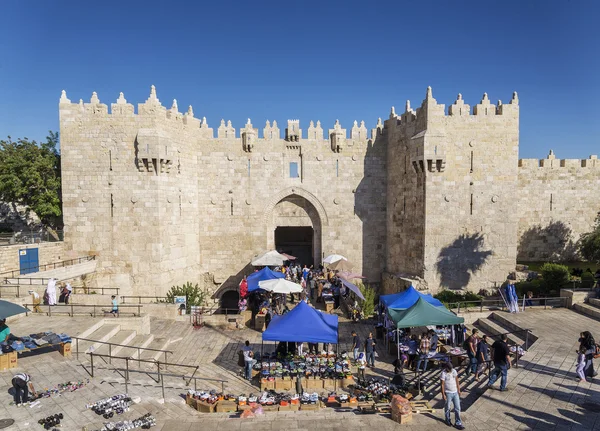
column 157, row 343
column 104, row 333
column 121, row 337
column 594, row 301
column 494, row 330
column 588, row 310
column 502, row 319
column 139, row 341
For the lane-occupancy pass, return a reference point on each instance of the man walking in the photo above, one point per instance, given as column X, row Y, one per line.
column 355, row 344
column 370, row 350
column 424, row 348
column 249, row 360
column 471, row 346
column 451, row 394
column 483, row 356
column 501, row 359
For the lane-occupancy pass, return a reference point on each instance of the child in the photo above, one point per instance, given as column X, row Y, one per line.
column 362, row 363
column 580, row 364
column 115, row 306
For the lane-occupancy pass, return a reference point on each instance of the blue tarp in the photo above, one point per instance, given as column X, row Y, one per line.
column 303, row 324
column 264, row 274
column 407, row 299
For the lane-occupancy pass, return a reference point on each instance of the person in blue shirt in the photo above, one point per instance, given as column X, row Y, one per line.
column 305, row 272
column 4, row 331
column 115, row 306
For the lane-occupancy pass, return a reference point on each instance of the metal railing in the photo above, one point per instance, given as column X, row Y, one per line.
column 93, row 290
column 161, row 377
column 47, row 266
column 86, row 290
column 64, row 309
column 110, row 346
column 13, row 238
column 127, row 370
column 144, row 299
column 494, row 304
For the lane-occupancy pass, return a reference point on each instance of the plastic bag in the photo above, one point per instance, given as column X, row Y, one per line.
column 401, row 405
column 247, row 414
column 258, row 410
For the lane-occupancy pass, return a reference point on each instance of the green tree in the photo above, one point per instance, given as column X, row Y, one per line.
column 368, row 305
column 555, row 275
column 30, row 176
column 193, row 294
column 589, row 243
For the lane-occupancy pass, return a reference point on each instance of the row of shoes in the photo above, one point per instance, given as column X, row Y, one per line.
column 108, row 407
column 145, row 422
column 51, row 421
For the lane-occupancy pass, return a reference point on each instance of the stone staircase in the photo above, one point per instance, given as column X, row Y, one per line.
column 498, row 323
column 591, row 309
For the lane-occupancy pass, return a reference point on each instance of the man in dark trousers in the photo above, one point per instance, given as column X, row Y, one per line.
column 21, row 386
column 355, row 345
column 501, row 357
column 370, row 350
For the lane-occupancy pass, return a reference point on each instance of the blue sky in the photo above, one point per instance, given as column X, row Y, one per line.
column 310, row 60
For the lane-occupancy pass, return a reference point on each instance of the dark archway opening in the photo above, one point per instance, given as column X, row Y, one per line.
column 297, row 241
column 229, row 301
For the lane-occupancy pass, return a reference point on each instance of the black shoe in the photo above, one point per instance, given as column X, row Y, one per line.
column 459, row 427
column 448, row 422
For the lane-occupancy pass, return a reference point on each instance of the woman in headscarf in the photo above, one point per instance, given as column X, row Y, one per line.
column 588, row 344
column 51, row 292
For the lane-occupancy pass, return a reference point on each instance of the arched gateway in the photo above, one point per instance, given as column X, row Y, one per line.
column 295, row 220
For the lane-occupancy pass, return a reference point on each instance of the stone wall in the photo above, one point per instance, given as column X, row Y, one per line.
column 557, row 201
column 160, row 200
column 48, row 252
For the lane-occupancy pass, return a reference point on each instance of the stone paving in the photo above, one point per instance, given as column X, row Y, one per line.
column 543, row 393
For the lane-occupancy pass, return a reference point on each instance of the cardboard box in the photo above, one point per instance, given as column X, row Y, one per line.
column 190, row 401
column 203, row 407
column 349, row 381
column 4, row 362
column 226, row 407
column 65, row 349
column 283, row 384
column 259, row 322
column 272, row 408
column 401, row 419
column 328, row 384
column 309, row 406
column 266, row 385
column 12, row 360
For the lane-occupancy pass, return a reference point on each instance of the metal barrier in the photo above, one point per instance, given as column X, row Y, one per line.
column 62, row 309
column 47, row 266
column 157, row 299
column 139, row 349
column 86, row 290
column 163, row 375
column 494, row 304
column 92, row 290
column 14, row 238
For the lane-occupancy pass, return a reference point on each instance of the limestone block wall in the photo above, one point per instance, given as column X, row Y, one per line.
column 470, row 165
column 160, row 200
column 48, row 252
column 557, row 201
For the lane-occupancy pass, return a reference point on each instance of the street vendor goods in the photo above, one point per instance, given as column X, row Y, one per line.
column 144, row 422
column 326, row 366
column 108, row 407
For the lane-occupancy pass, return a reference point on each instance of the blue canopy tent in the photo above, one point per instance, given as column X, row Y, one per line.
column 408, row 298
column 303, row 323
column 264, row 274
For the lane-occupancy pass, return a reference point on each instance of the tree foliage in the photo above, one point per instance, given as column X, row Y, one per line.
column 368, row 305
column 30, row 176
column 194, row 295
column 589, row 243
column 555, row 275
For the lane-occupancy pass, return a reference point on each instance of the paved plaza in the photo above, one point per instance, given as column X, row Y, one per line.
column 543, row 392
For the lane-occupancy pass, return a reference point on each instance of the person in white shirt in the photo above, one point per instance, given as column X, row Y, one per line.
column 451, row 394
column 362, row 363
column 21, row 386
column 249, row 360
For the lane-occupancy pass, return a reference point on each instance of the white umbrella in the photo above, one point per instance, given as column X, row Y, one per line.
column 333, row 258
column 280, row 285
column 270, row 258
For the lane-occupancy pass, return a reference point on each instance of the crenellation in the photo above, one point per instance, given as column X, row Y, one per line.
column 164, row 176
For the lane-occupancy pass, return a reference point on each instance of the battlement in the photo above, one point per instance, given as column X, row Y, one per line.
column 152, row 107
column 431, row 109
column 551, row 162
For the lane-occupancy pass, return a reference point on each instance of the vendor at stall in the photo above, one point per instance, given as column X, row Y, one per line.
column 4, row 331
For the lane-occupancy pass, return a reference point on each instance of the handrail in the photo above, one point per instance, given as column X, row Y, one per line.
column 119, row 345
column 500, row 303
column 38, row 268
column 72, row 306
column 140, row 297
column 89, row 289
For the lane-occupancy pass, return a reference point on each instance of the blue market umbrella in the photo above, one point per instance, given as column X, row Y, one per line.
column 8, row 309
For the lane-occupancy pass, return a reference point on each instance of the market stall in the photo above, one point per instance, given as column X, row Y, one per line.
column 320, row 368
column 264, row 274
column 422, row 313
column 407, row 299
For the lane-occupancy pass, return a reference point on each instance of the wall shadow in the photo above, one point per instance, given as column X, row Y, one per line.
column 553, row 242
column 370, row 206
column 232, row 282
column 458, row 261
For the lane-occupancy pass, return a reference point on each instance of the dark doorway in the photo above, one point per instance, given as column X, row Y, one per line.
column 229, row 301
column 297, row 241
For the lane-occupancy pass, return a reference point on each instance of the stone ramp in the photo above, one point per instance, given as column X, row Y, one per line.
column 543, row 392
column 61, row 274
